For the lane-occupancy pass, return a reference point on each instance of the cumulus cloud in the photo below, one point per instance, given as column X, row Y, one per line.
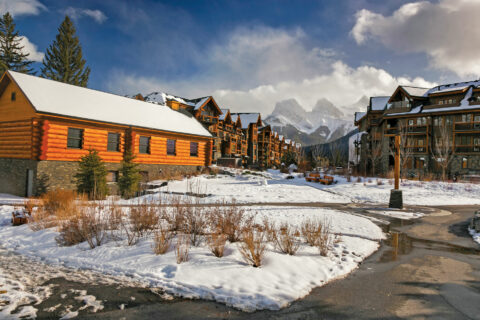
column 77, row 13
column 253, row 69
column 31, row 49
column 21, row 7
column 446, row 31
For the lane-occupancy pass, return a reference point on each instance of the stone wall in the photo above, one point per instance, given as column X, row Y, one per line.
column 13, row 175
column 50, row 175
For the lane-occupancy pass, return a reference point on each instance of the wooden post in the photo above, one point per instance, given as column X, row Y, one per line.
column 396, row 198
column 397, row 162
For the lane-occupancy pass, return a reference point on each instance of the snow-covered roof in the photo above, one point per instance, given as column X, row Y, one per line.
column 378, row 103
column 453, row 87
column 246, row 118
column 53, row 97
column 224, row 114
column 359, row 115
column 415, row 91
column 200, row 103
column 287, row 141
column 162, row 98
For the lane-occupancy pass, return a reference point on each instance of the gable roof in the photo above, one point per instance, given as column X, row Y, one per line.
column 247, row 118
column 415, row 91
column 224, row 114
column 58, row 98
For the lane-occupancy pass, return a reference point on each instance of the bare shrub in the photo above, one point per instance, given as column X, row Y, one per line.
column 85, row 223
column 380, row 182
column 161, row 240
column 216, row 243
column 41, row 219
column 177, row 216
column 285, row 239
column 182, row 247
column 269, row 229
column 58, row 200
column 143, row 219
column 325, row 239
column 253, row 246
column 195, row 223
column 311, row 231
column 114, row 217
column 229, row 219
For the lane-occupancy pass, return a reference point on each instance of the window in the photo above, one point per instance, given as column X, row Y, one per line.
column 193, row 149
column 410, row 122
column 13, row 97
column 113, row 143
column 477, row 118
column 437, row 121
column 467, row 117
column 450, row 101
column 464, row 163
column 171, row 147
column 144, row 145
column 75, row 138
column 112, row 176
column 476, row 141
column 440, row 101
column 420, row 142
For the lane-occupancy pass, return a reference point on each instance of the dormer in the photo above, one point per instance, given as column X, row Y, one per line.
column 405, row 98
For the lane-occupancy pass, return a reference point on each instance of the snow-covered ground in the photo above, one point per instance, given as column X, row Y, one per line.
column 475, row 235
column 273, row 187
column 280, row 280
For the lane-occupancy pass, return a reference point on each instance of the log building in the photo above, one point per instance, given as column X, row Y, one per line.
column 439, row 128
column 47, row 126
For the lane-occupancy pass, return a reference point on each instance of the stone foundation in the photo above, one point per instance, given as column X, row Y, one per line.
column 50, row 175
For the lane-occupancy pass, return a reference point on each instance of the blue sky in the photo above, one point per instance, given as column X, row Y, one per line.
column 252, row 54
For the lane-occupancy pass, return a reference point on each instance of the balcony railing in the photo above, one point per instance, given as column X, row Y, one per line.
column 208, row 119
column 417, row 129
column 417, row 149
column 467, row 126
column 391, row 130
column 467, row 149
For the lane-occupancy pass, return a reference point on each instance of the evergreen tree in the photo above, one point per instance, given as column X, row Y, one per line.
column 64, row 60
column 12, row 56
column 92, row 176
column 289, row 158
column 128, row 182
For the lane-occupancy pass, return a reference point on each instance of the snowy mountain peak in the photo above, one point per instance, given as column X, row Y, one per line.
column 327, row 108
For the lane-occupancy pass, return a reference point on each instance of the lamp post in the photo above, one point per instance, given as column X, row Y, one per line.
column 396, row 197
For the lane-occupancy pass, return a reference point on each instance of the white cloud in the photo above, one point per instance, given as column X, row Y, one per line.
column 447, row 32
column 77, row 13
column 21, row 7
column 31, row 49
column 253, row 69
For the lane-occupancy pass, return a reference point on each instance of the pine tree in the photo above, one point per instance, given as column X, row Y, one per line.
column 64, row 60
column 12, row 56
column 92, row 176
column 128, row 183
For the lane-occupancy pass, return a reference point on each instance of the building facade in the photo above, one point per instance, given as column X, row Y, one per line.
column 439, row 129
column 47, row 126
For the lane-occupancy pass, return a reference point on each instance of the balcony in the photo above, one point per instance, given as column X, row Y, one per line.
column 467, row 148
column 391, row 130
column 208, row 119
column 417, row 129
column 467, row 126
column 417, row 149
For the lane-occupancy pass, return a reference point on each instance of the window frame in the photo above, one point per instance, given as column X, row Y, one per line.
column 169, row 152
column 13, row 96
column 140, row 145
column 71, row 138
column 112, row 173
column 117, row 142
column 193, row 143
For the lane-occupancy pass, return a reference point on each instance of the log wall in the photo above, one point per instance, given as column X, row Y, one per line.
column 16, row 139
column 54, row 142
column 158, row 150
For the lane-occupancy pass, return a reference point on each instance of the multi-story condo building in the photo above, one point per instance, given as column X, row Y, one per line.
column 439, row 129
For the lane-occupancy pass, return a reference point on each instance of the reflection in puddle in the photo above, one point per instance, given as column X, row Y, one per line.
column 399, row 244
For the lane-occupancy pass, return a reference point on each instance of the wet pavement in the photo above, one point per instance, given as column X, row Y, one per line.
column 425, row 269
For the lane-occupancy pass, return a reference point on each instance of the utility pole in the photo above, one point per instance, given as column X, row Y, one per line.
column 396, row 198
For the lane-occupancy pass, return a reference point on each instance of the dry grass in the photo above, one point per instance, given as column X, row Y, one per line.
column 177, row 216
column 253, row 246
column 216, row 243
column 41, row 219
column 161, row 240
column 58, row 200
column 285, row 239
column 311, row 231
column 325, row 239
column 182, row 247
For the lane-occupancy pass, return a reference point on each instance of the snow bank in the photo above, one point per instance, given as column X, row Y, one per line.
column 475, row 235
column 281, row 279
